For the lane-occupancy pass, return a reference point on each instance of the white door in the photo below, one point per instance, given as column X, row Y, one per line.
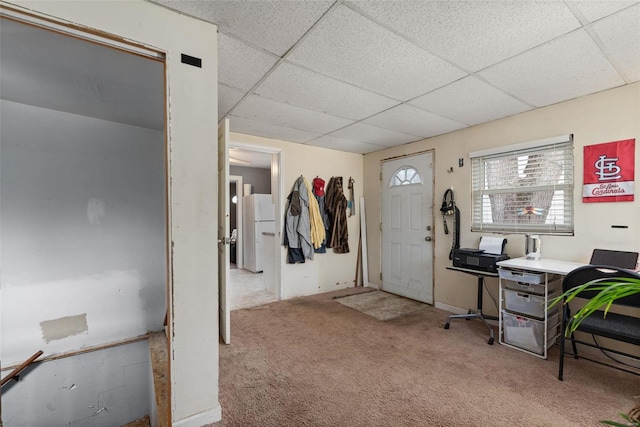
column 223, row 231
column 407, row 227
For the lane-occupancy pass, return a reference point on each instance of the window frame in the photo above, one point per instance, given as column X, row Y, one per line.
column 479, row 192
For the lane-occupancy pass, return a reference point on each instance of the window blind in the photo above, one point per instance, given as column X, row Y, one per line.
column 527, row 188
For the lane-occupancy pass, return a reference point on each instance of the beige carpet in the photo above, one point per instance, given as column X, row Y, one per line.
column 381, row 305
column 314, row 362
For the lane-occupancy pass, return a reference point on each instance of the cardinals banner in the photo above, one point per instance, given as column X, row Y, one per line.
column 609, row 172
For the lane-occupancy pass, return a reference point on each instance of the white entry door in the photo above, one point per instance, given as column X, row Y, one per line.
column 223, row 231
column 407, row 227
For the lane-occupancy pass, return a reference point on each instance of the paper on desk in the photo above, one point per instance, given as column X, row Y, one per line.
column 491, row 245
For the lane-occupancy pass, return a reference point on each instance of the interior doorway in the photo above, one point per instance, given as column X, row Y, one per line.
column 235, row 220
column 255, row 185
column 83, row 216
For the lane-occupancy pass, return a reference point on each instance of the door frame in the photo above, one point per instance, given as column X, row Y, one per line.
column 433, row 252
column 237, row 179
column 277, row 194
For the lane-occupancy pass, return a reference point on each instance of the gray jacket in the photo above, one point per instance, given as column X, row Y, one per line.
column 297, row 224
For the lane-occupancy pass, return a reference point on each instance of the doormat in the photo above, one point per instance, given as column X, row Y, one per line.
column 381, row 305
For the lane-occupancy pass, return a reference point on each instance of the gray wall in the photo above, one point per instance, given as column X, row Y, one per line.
column 260, row 180
column 82, row 221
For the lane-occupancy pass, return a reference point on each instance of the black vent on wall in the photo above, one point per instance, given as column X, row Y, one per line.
column 191, row 60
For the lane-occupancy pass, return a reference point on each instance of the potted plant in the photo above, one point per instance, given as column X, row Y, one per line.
column 632, row 418
column 609, row 291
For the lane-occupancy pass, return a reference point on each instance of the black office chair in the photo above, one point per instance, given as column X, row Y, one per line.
column 614, row 326
column 620, row 259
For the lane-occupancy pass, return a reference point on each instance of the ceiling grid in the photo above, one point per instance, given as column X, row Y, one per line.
column 364, row 75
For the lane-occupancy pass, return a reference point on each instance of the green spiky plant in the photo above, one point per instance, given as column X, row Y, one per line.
column 632, row 418
column 609, row 291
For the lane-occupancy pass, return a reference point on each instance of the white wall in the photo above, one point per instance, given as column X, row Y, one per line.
column 329, row 271
column 83, row 231
column 192, row 157
column 603, row 117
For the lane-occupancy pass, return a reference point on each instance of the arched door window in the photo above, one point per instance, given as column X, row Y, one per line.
column 406, row 175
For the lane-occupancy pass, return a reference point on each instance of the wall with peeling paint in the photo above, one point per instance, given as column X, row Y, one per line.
column 83, row 231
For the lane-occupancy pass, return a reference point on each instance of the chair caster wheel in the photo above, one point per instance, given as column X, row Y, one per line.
column 490, row 342
column 446, row 325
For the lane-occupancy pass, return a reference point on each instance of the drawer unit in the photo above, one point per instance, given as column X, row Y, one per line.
column 526, row 288
column 528, row 333
column 525, row 303
column 533, row 288
column 522, row 276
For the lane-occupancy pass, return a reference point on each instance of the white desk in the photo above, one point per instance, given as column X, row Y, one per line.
column 545, row 330
column 543, row 265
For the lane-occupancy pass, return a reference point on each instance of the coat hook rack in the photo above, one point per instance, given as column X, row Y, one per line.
column 450, row 170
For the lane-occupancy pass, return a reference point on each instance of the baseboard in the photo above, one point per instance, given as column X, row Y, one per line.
column 203, row 418
column 451, row 308
column 373, row 285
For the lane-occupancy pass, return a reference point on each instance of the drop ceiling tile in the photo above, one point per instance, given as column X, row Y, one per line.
column 470, row 101
column 414, row 121
column 278, row 113
column 298, row 86
column 563, row 69
column 272, row 25
column 341, row 144
column 373, row 135
column 240, row 65
column 268, row 130
column 474, row 34
column 594, row 10
column 620, row 34
column 351, row 48
column 227, row 98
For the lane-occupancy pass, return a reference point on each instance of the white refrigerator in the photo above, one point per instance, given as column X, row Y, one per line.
column 258, row 216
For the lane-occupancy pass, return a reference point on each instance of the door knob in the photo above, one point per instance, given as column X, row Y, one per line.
column 428, row 238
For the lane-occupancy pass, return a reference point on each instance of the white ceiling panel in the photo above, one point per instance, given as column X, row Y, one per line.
column 341, row 144
column 594, row 10
column 414, row 121
column 227, row 98
column 565, row 68
column 272, row 25
column 240, row 65
column 278, row 113
column 298, row 86
column 474, row 34
column 268, row 130
column 470, row 101
column 350, row 47
column 373, row 135
column 620, row 34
